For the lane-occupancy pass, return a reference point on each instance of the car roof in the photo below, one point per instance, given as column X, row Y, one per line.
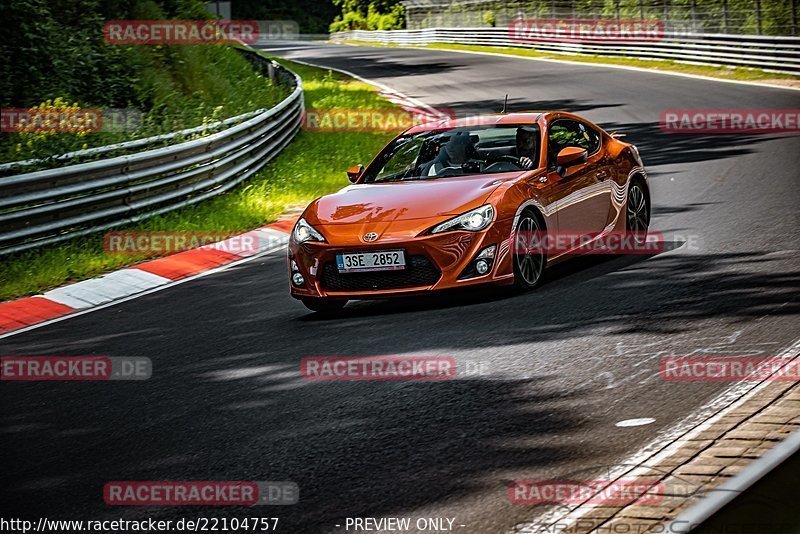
column 525, row 117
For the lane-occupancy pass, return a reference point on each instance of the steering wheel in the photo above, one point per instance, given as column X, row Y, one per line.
column 509, row 159
column 473, row 165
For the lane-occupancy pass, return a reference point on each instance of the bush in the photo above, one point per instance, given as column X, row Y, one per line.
column 369, row 15
column 60, row 55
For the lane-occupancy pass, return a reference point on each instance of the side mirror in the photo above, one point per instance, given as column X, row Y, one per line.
column 353, row 173
column 571, row 155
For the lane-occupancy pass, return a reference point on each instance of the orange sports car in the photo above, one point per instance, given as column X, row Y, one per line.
column 454, row 203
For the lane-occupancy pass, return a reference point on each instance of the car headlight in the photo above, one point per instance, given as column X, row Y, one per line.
column 472, row 221
column 305, row 232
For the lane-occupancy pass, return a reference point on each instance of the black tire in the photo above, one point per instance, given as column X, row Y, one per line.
column 324, row 306
column 529, row 265
column 637, row 211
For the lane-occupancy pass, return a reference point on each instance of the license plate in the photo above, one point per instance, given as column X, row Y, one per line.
column 381, row 260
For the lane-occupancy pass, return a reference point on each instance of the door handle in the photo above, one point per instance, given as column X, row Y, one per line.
column 602, row 175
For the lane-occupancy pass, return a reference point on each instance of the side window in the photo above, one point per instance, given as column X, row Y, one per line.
column 401, row 159
column 567, row 132
column 591, row 136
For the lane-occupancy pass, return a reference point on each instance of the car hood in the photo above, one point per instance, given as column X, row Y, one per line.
column 401, row 201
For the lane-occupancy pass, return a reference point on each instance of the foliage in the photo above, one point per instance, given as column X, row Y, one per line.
column 312, row 16
column 59, row 53
column 53, row 127
column 369, row 15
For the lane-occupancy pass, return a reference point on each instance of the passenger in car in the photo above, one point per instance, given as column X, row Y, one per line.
column 526, row 144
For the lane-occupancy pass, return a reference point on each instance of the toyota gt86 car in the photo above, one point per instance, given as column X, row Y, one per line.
column 439, row 206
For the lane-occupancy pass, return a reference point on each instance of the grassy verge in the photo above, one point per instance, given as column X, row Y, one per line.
column 178, row 87
column 63, row 64
column 312, row 165
column 725, row 73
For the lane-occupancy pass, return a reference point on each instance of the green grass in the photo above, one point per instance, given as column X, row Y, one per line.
column 177, row 87
column 738, row 73
column 312, row 165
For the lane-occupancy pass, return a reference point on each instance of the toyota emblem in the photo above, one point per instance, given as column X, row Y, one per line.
column 370, row 237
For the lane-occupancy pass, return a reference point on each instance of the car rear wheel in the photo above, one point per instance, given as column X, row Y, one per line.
column 529, row 258
column 323, row 306
column 637, row 212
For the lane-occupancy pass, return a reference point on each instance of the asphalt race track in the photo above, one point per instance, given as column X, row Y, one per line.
column 564, row 363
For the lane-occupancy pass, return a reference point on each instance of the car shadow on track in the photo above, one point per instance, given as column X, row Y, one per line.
column 573, row 270
column 673, row 291
column 355, row 449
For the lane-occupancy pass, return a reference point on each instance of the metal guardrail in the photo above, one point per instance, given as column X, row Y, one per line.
column 717, row 498
column 741, row 17
column 53, row 205
column 14, row 167
column 776, row 54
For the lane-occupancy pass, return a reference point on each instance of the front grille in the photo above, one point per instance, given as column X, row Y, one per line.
column 419, row 272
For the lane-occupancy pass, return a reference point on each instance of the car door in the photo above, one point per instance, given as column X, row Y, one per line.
column 583, row 192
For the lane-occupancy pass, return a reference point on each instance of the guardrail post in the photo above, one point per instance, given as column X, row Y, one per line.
column 724, row 16
column 758, row 16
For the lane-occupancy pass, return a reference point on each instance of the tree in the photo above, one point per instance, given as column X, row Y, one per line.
column 369, row 15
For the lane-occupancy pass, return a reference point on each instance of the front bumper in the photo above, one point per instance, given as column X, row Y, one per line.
column 433, row 262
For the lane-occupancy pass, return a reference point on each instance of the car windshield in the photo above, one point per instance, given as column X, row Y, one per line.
column 457, row 152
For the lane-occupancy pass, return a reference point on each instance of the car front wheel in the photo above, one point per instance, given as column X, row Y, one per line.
column 529, row 257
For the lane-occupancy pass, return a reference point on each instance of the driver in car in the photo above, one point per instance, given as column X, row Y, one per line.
column 526, row 144
column 454, row 153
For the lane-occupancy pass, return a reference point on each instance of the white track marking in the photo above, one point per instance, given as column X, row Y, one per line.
column 621, row 67
column 635, row 422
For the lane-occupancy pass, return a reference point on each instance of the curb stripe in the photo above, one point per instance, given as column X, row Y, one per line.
column 28, row 311
column 187, row 263
column 136, row 280
column 284, row 225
